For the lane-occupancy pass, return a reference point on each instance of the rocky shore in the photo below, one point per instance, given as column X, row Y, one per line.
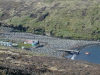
column 51, row 44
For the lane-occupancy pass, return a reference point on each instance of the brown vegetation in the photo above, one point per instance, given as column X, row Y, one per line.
column 21, row 63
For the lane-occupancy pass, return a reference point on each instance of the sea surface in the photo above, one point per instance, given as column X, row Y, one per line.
column 89, row 53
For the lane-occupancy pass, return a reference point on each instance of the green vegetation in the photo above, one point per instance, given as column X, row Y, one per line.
column 24, row 45
column 76, row 19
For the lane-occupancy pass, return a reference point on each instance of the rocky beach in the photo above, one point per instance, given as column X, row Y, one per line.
column 51, row 44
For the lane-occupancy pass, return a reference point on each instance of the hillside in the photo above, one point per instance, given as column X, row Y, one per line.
column 14, row 62
column 78, row 19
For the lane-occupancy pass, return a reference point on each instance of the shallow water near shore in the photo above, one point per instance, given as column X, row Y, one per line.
column 90, row 53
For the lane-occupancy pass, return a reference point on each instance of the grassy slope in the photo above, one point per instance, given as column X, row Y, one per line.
column 78, row 19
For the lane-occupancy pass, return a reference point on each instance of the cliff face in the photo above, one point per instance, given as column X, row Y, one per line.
column 22, row 63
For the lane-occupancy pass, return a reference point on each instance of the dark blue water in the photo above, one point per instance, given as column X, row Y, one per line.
column 93, row 56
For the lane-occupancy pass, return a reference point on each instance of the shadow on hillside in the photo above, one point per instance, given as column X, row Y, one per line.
column 19, row 28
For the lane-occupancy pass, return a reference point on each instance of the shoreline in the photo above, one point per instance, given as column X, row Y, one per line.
column 52, row 43
column 80, row 49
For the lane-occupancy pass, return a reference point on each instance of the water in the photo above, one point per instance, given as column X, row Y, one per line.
column 93, row 56
column 73, row 57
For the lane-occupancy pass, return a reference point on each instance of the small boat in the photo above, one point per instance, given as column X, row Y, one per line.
column 87, row 53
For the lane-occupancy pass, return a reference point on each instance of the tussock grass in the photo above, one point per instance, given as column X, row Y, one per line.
column 76, row 19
